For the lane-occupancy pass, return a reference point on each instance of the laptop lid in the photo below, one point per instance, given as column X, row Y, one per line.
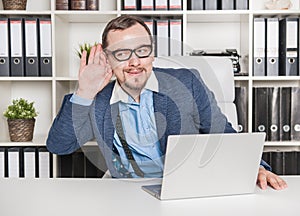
column 211, row 165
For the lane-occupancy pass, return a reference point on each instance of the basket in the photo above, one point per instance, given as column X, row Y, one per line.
column 21, row 130
column 14, row 4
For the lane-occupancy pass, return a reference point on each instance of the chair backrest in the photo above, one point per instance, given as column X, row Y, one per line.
column 216, row 72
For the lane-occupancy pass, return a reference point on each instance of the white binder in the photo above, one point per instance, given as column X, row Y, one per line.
column 175, row 37
column 259, row 46
column 45, row 47
column 162, row 37
column 175, row 5
column 272, row 47
column 2, row 163
column 161, row 4
column 4, row 48
column 13, row 163
column 29, row 163
column 16, row 47
column 44, row 163
column 31, row 47
column 147, row 4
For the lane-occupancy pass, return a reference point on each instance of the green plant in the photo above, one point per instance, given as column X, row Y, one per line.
column 20, row 109
column 87, row 47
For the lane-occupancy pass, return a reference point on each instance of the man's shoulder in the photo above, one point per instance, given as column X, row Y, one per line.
column 183, row 74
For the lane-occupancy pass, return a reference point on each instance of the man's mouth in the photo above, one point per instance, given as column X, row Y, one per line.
column 134, row 71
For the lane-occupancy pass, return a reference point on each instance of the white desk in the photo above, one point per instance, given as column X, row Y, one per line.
column 84, row 197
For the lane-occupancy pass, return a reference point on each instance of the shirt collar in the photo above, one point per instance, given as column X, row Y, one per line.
column 118, row 94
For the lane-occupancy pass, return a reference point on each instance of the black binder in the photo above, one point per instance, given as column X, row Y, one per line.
column 295, row 113
column 290, row 163
column 4, row 47
column 64, row 164
column 45, row 163
column 285, row 113
column 288, row 48
column 260, row 110
column 95, row 165
column 78, row 164
column 273, row 114
column 277, row 162
column 241, row 103
column 17, row 47
column 31, row 47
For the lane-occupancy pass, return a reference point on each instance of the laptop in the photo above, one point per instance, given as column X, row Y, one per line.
column 206, row 165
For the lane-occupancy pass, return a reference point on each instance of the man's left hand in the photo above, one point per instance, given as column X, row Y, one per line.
column 266, row 177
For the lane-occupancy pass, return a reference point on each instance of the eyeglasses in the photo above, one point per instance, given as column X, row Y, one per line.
column 143, row 51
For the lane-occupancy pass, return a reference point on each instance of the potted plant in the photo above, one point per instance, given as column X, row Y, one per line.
column 14, row 4
column 21, row 119
column 87, row 47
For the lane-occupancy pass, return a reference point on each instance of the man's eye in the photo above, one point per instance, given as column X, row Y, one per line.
column 121, row 54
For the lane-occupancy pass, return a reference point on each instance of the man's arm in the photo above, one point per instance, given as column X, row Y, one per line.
column 71, row 128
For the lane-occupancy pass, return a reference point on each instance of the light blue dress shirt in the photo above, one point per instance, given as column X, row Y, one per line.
column 139, row 127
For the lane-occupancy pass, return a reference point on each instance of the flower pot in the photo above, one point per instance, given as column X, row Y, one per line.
column 14, row 4
column 21, row 130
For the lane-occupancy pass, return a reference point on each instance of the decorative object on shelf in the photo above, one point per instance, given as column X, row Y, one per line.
column 278, row 4
column 62, row 4
column 87, row 47
column 92, row 5
column 14, row 4
column 78, row 5
column 21, row 119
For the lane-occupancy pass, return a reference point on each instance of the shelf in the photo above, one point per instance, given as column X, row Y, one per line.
column 282, row 143
column 86, row 16
column 37, row 141
column 11, row 13
column 220, row 17
column 26, row 78
column 153, row 12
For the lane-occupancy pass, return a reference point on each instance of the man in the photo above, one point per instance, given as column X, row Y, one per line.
column 132, row 117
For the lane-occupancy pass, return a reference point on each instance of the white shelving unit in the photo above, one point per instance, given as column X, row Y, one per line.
column 217, row 30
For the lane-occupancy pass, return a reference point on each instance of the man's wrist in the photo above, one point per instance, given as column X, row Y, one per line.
column 80, row 100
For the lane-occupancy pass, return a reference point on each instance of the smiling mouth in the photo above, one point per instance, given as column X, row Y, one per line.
column 134, row 71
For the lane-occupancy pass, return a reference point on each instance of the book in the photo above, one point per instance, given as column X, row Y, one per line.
column 62, row 4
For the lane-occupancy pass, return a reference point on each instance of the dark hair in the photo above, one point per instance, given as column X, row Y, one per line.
column 121, row 23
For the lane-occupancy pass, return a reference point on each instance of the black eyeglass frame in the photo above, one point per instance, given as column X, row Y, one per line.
column 131, row 51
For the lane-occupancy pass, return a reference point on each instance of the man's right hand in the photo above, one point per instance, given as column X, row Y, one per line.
column 94, row 75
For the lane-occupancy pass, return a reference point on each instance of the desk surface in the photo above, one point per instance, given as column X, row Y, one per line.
column 72, row 197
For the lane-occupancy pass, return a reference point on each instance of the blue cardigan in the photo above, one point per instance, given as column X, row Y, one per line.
column 183, row 105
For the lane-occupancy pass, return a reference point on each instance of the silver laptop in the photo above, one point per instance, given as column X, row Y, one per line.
column 205, row 165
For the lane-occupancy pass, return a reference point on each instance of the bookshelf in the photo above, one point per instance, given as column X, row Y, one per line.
column 219, row 29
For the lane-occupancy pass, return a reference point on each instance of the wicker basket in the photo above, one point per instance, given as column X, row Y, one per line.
column 21, row 130
column 14, row 4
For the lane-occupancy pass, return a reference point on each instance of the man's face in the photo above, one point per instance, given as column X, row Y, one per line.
column 133, row 73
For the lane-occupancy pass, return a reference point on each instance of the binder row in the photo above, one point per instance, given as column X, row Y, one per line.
column 283, row 163
column 276, row 46
column 28, row 162
column 86, row 163
column 77, row 4
column 25, row 47
column 191, row 4
column 276, row 112
column 151, row 4
column 241, row 103
column 218, row 4
column 167, row 35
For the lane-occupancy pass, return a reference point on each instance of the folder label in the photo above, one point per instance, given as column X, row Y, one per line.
column 45, row 31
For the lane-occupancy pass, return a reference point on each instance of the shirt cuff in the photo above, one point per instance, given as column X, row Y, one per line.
column 81, row 101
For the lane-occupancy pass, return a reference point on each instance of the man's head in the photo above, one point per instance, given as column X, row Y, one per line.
column 128, row 44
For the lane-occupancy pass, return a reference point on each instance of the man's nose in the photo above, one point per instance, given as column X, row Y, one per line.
column 134, row 60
